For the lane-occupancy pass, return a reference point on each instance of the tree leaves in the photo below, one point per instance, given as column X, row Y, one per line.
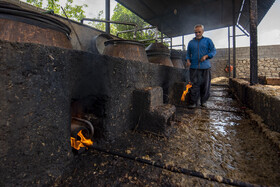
column 74, row 12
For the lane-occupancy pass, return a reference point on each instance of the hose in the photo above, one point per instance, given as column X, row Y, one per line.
column 176, row 169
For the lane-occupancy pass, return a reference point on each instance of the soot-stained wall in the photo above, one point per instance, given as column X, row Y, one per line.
column 38, row 85
column 107, row 83
column 34, row 113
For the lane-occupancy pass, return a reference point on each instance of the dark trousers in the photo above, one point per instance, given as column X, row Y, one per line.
column 201, row 82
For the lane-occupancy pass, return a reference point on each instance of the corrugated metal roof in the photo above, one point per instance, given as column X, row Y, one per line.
column 263, row 7
column 178, row 17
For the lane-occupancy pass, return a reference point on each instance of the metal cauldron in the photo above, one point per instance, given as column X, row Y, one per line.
column 159, row 54
column 21, row 25
column 126, row 49
column 176, row 58
column 97, row 43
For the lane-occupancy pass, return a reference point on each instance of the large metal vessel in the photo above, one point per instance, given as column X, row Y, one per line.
column 126, row 49
column 98, row 43
column 177, row 59
column 159, row 54
column 21, row 25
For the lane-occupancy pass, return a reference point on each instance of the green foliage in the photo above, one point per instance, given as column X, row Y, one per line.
column 37, row 3
column 99, row 25
column 53, row 5
column 122, row 14
column 74, row 12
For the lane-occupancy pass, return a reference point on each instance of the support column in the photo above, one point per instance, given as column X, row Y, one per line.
column 107, row 4
column 233, row 39
column 171, row 43
column 183, row 43
column 229, row 52
column 253, row 11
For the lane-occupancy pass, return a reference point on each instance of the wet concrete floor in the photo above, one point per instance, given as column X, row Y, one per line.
column 219, row 139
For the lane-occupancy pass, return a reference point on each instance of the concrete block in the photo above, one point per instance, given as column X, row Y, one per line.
column 150, row 114
column 148, row 98
column 158, row 119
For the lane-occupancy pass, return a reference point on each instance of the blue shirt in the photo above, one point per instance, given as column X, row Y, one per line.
column 197, row 49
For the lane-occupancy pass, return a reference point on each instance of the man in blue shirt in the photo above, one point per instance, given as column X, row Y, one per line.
column 200, row 50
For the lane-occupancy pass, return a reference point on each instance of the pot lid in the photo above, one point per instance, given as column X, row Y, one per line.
column 157, row 47
column 176, row 53
column 115, row 42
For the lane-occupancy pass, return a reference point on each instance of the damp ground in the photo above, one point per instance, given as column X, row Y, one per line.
column 219, row 139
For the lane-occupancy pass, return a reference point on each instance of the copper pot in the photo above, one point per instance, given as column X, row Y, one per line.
column 126, row 49
column 176, row 58
column 21, row 25
column 159, row 54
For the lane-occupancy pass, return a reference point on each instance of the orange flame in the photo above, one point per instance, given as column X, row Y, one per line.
column 186, row 91
column 77, row 144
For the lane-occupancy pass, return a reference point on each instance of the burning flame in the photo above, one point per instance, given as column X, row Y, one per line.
column 77, row 144
column 186, row 91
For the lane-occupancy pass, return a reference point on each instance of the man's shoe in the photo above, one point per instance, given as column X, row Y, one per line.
column 192, row 106
column 203, row 105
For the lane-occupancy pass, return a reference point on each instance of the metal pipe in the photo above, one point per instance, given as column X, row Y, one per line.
column 115, row 22
column 156, row 33
column 133, row 30
column 183, row 43
column 177, row 169
column 240, row 12
column 243, row 30
column 154, row 39
column 253, row 11
column 87, row 123
column 229, row 51
column 107, row 4
column 72, row 27
column 233, row 39
column 239, row 35
column 177, row 45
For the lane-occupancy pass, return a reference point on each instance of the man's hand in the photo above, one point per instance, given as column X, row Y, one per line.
column 188, row 63
column 204, row 58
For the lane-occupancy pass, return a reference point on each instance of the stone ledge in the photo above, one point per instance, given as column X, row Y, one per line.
column 263, row 100
column 150, row 114
column 273, row 136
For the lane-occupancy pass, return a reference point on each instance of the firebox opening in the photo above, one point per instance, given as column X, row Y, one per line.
column 86, row 127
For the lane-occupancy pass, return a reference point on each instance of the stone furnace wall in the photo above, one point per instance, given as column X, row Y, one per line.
column 39, row 84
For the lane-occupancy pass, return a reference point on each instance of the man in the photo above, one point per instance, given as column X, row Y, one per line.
column 200, row 50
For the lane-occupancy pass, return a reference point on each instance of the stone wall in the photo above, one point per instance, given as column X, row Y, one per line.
column 261, row 99
column 268, row 62
column 269, row 67
column 38, row 86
